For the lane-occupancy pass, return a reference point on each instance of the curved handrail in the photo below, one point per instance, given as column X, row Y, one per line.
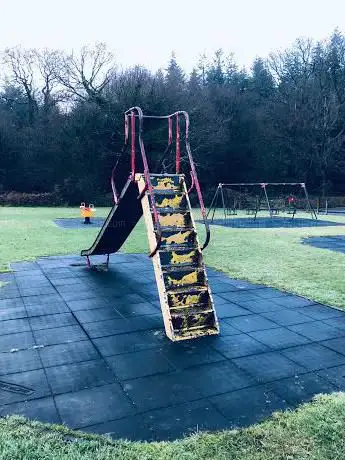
column 116, row 195
column 192, row 185
column 196, row 181
column 136, row 112
column 147, row 176
column 192, row 166
column 112, row 181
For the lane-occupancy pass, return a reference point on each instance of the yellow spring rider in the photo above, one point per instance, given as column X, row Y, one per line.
column 87, row 212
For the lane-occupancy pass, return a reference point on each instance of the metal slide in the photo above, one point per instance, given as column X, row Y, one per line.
column 119, row 223
column 184, row 293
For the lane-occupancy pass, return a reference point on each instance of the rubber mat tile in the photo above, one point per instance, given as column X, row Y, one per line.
column 12, row 313
column 136, row 309
column 12, row 326
column 19, row 361
column 293, row 301
column 42, row 410
column 261, row 306
column 279, row 338
column 222, row 377
column 317, row 331
column 88, row 304
column 338, row 322
column 334, row 375
column 132, row 428
column 95, row 405
column 229, row 310
column 97, row 314
column 17, row 340
column 321, row 312
column 52, row 321
column 25, row 292
column 64, row 334
column 301, row 388
column 129, row 342
column 238, row 345
column 335, row 344
column 287, row 317
column 185, row 356
column 47, row 309
column 251, row 323
column 23, row 386
column 78, row 376
column 270, row 366
column 68, row 353
column 271, row 293
column 11, row 303
column 184, row 420
column 43, row 299
column 161, row 390
column 248, row 406
column 139, row 364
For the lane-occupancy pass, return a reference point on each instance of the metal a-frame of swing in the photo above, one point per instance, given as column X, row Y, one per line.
column 262, row 201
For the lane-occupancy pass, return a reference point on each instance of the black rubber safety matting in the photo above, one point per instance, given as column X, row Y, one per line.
column 333, row 243
column 88, row 349
column 275, row 222
column 78, row 222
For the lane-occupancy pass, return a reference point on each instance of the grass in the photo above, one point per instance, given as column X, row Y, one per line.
column 273, row 257
column 315, row 431
column 276, row 257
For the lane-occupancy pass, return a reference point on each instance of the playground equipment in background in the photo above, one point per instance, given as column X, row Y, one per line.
column 184, row 293
column 87, row 212
column 330, row 204
column 275, row 198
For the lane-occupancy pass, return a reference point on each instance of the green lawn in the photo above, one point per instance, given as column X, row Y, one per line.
column 315, row 431
column 273, row 257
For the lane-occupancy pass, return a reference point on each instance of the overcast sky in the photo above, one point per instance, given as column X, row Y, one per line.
column 146, row 31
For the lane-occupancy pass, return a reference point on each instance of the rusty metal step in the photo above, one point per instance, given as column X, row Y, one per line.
column 171, row 201
column 163, row 182
column 176, row 220
column 196, row 320
column 178, row 278
column 195, row 332
column 167, row 192
column 172, row 238
column 188, row 296
column 180, row 257
column 195, row 306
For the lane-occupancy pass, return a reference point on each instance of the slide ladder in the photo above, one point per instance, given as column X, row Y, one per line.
column 184, row 293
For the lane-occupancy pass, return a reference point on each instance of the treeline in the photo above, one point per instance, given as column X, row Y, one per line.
column 61, row 117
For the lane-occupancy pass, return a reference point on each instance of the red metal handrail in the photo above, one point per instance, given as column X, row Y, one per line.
column 136, row 112
column 148, row 184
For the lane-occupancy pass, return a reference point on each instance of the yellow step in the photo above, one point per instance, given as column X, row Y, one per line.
column 180, row 257
column 173, row 183
column 185, row 277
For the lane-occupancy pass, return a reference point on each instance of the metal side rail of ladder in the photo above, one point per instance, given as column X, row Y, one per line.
column 184, row 293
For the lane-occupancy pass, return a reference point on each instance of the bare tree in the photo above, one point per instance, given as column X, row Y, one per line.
column 86, row 75
column 47, row 63
column 21, row 64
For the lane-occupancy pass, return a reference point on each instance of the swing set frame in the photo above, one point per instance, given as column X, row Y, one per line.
column 263, row 201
